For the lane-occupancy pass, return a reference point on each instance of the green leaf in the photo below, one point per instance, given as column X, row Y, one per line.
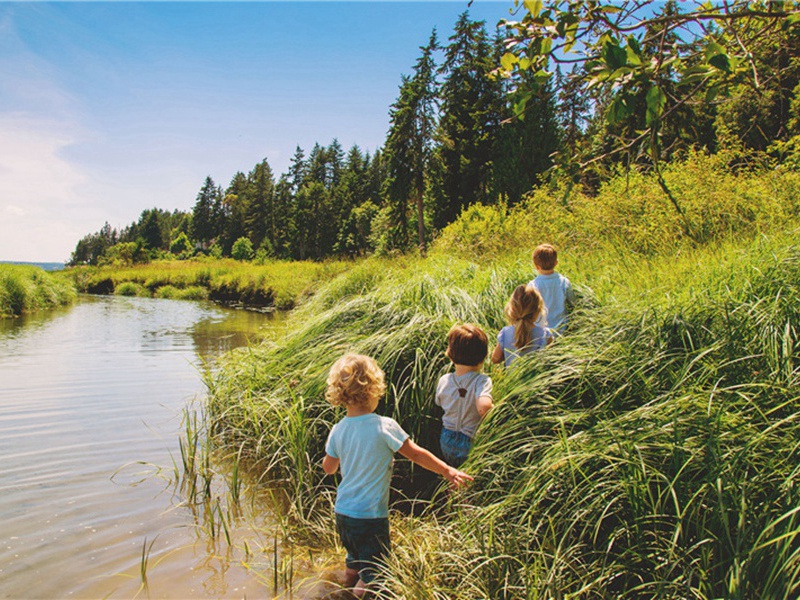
column 721, row 62
column 534, row 7
column 521, row 103
column 524, row 63
column 614, row 56
column 656, row 99
column 618, row 111
column 717, row 57
column 508, row 61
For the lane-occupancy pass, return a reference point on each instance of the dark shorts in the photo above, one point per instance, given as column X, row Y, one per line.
column 455, row 447
column 366, row 542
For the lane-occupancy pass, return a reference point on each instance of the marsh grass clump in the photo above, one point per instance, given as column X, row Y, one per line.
column 131, row 288
column 26, row 289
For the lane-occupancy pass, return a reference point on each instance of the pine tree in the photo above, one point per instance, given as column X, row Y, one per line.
column 203, row 225
column 408, row 145
column 259, row 206
column 297, row 169
column 471, row 103
column 234, row 212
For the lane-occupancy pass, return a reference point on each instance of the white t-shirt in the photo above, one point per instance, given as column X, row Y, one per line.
column 365, row 446
column 460, row 412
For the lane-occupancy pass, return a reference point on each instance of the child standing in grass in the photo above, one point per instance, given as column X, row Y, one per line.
column 524, row 333
column 466, row 394
column 556, row 290
column 364, row 444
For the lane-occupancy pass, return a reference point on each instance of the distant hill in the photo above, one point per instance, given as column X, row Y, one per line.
column 47, row 266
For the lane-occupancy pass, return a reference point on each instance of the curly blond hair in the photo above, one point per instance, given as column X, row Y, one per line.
column 355, row 379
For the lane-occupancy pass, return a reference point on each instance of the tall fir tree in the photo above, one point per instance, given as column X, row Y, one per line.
column 259, row 209
column 204, row 227
column 408, row 146
column 471, row 104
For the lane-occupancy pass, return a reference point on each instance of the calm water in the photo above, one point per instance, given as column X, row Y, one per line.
column 91, row 401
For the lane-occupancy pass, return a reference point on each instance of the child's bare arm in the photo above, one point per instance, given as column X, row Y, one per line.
column 330, row 464
column 497, row 354
column 425, row 459
column 484, row 404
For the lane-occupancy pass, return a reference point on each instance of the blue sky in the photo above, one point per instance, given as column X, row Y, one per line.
column 109, row 108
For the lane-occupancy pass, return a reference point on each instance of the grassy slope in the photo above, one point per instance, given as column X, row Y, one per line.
column 26, row 289
column 650, row 453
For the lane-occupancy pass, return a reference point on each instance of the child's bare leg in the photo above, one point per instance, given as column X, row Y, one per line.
column 360, row 589
column 351, row 577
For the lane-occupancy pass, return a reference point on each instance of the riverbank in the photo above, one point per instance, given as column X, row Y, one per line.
column 274, row 284
column 649, row 453
column 25, row 289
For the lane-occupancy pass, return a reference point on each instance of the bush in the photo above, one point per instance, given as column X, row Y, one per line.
column 181, row 246
column 130, row 288
column 242, row 249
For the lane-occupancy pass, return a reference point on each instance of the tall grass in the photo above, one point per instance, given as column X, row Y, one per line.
column 650, row 453
column 26, row 289
column 277, row 283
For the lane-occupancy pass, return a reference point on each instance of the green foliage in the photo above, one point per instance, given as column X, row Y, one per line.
column 656, row 76
column 125, row 254
column 181, row 246
column 242, row 249
column 131, row 288
column 275, row 283
column 631, row 212
column 26, row 289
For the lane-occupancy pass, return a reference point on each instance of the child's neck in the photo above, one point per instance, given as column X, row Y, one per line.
column 546, row 271
column 358, row 410
column 464, row 369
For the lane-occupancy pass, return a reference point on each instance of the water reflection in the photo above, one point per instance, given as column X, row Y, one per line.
column 91, row 399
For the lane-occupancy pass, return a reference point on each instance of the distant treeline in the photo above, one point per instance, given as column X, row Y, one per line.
column 454, row 140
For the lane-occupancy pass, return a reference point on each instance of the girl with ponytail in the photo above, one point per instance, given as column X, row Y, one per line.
column 523, row 334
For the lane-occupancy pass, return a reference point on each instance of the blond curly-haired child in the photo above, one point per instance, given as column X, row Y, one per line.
column 363, row 444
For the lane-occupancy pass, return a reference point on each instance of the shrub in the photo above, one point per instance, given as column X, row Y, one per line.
column 130, row 288
column 242, row 249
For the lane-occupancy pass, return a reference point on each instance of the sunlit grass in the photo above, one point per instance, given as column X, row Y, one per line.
column 279, row 284
column 26, row 289
column 650, row 453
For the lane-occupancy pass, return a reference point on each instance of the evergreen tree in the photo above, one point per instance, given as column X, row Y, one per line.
column 317, row 165
column 471, row 103
column 259, row 205
column 408, row 145
column 151, row 230
column 334, row 162
column 284, row 218
column 234, row 213
column 204, row 227
column 523, row 147
column 297, row 169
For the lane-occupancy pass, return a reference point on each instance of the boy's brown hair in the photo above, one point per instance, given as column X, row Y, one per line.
column 355, row 379
column 467, row 345
column 545, row 257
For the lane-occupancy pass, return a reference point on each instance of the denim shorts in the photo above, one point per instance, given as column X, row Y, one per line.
column 366, row 542
column 455, row 447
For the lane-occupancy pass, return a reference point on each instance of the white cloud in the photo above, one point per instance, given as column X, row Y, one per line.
column 38, row 189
